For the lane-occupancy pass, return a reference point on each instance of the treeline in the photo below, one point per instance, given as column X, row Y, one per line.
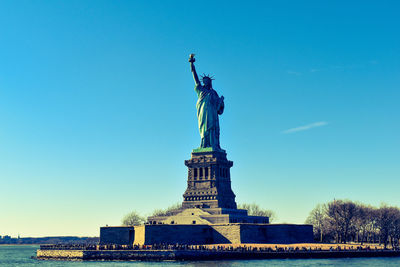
column 344, row 221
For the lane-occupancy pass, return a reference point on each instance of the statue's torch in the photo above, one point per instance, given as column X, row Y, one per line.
column 191, row 58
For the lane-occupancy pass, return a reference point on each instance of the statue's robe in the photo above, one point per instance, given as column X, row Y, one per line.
column 208, row 105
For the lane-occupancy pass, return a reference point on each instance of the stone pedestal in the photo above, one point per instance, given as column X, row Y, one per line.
column 209, row 181
column 209, row 198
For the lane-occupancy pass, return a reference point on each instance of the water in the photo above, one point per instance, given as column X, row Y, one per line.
column 20, row 256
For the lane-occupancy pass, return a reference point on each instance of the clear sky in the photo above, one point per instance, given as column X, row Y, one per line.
column 97, row 107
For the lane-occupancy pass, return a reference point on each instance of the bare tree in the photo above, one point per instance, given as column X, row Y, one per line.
column 365, row 222
column 133, row 218
column 171, row 210
column 396, row 230
column 319, row 221
column 386, row 222
column 342, row 215
column 255, row 210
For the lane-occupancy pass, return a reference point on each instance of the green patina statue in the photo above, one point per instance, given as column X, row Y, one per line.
column 209, row 106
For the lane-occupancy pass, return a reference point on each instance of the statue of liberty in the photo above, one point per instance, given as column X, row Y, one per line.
column 209, row 105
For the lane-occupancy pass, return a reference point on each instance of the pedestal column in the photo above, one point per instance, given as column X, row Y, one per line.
column 209, row 183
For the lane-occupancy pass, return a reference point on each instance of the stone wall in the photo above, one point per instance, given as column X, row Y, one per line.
column 120, row 235
column 193, row 255
column 276, row 233
column 60, row 254
column 139, row 235
column 177, row 234
column 226, row 234
column 290, row 233
column 197, row 234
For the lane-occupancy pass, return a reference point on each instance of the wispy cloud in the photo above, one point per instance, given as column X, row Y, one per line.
column 293, row 72
column 305, row 127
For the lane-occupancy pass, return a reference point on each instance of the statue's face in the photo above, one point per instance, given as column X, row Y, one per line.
column 207, row 82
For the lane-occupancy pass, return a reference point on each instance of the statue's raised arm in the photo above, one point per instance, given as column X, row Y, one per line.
column 193, row 69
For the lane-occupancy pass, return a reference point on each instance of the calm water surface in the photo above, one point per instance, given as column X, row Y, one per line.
column 21, row 256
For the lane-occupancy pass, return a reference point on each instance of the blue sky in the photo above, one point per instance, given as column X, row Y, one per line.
column 97, row 107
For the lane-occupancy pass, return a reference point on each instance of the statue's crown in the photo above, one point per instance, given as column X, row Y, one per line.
column 207, row 76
